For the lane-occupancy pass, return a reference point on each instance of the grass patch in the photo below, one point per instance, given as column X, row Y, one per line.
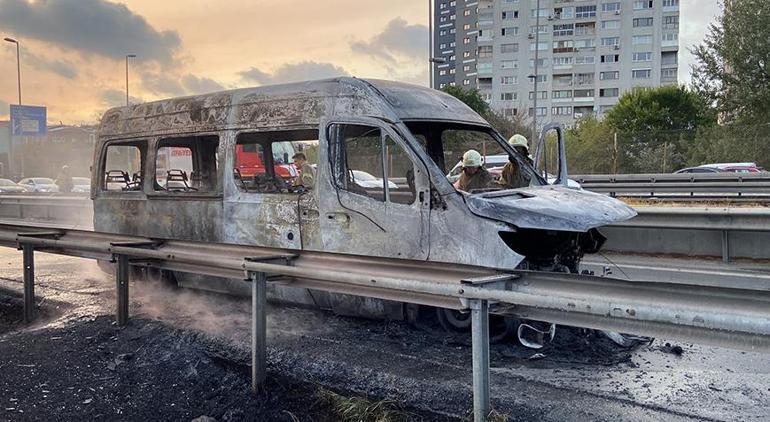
column 358, row 409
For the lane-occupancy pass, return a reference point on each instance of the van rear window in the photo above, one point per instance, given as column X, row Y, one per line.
column 123, row 167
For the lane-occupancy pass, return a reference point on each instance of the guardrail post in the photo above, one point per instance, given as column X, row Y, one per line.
column 725, row 246
column 122, row 289
column 258, row 329
column 480, row 340
column 28, row 252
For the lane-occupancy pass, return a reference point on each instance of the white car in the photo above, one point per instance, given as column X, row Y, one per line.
column 366, row 180
column 7, row 186
column 494, row 164
column 81, row 184
column 39, row 184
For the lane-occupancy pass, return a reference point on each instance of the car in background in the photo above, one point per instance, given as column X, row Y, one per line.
column 494, row 164
column 8, row 186
column 366, row 180
column 699, row 169
column 736, row 167
column 39, row 184
column 81, row 184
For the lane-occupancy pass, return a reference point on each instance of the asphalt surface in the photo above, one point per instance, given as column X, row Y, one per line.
column 582, row 376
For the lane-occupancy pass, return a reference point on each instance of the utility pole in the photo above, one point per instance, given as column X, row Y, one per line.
column 615, row 154
column 127, row 57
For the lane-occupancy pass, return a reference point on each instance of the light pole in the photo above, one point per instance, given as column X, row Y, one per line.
column 432, row 60
column 11, row 149
column 430, row 41
column 537, row 58
column 127, row 57
column 18, row 63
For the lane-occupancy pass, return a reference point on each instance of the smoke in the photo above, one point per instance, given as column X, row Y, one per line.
column 217, row 315
column 221, row 316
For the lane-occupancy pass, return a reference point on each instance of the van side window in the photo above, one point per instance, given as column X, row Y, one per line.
column 187, row 164
column 123, row 167
column 400, row 171
column 368, row 164
column 265, row 161
column 358, row 160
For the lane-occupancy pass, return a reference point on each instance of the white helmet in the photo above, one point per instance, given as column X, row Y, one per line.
column 471, row 158
column 518, row 141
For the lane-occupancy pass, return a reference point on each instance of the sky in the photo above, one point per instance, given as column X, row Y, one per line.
column 73, row 51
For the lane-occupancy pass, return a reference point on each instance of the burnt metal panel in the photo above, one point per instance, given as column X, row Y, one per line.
column 550, row 208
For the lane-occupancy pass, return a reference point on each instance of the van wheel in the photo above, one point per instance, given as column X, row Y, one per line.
column 158, row 276
column 500, row 327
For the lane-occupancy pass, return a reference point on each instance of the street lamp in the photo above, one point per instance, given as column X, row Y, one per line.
column 430, row 41
column 537, row 58
column 18, row 63
column 128, row 56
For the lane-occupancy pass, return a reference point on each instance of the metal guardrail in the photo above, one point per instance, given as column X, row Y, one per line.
column 696, row 231
column 721, row 315
column 745, row 186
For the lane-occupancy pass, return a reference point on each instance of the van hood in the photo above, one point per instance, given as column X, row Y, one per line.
column 550, row 208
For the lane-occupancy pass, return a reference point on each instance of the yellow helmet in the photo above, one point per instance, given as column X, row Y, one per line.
column 471, row 158
column 518, row 141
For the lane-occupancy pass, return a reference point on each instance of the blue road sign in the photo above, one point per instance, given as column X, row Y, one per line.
column 28, row 120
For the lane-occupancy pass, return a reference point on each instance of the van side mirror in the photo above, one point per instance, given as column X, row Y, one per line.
column 541, row 156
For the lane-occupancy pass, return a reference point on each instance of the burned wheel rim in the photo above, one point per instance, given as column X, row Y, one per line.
column 453, row 320
column 157, row 275
column 500, row 327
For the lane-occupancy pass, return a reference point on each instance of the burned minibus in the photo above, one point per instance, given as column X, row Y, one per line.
column 217, row 168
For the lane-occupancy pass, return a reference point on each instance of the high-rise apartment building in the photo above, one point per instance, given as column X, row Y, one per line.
column 589, row 52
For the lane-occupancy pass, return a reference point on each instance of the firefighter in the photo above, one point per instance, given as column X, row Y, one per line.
column 473, row 176
column 306, row 176
column 513, row 176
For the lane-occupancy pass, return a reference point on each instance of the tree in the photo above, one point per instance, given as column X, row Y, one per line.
column 473, row 99
column 591, row 148
column 733, row 62
column 657, row 125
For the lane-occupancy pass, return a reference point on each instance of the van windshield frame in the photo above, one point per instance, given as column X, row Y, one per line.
column 430, row 135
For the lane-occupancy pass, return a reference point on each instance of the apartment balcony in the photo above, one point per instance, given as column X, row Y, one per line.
column 583, row 83
column 670, row 43
column 670, row 8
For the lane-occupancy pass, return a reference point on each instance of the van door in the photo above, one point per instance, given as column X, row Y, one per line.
column 376, row 198
column 262, row 202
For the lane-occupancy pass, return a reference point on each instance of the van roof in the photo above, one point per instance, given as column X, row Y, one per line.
column 287, row 105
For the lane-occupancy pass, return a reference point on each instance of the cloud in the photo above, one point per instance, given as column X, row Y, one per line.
column 62, row 68
column 195, row 85
column 160, row 83
column 397, row 40
column 293, row 72
column 117, row 98
column 89, row 26
column 166, row 84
